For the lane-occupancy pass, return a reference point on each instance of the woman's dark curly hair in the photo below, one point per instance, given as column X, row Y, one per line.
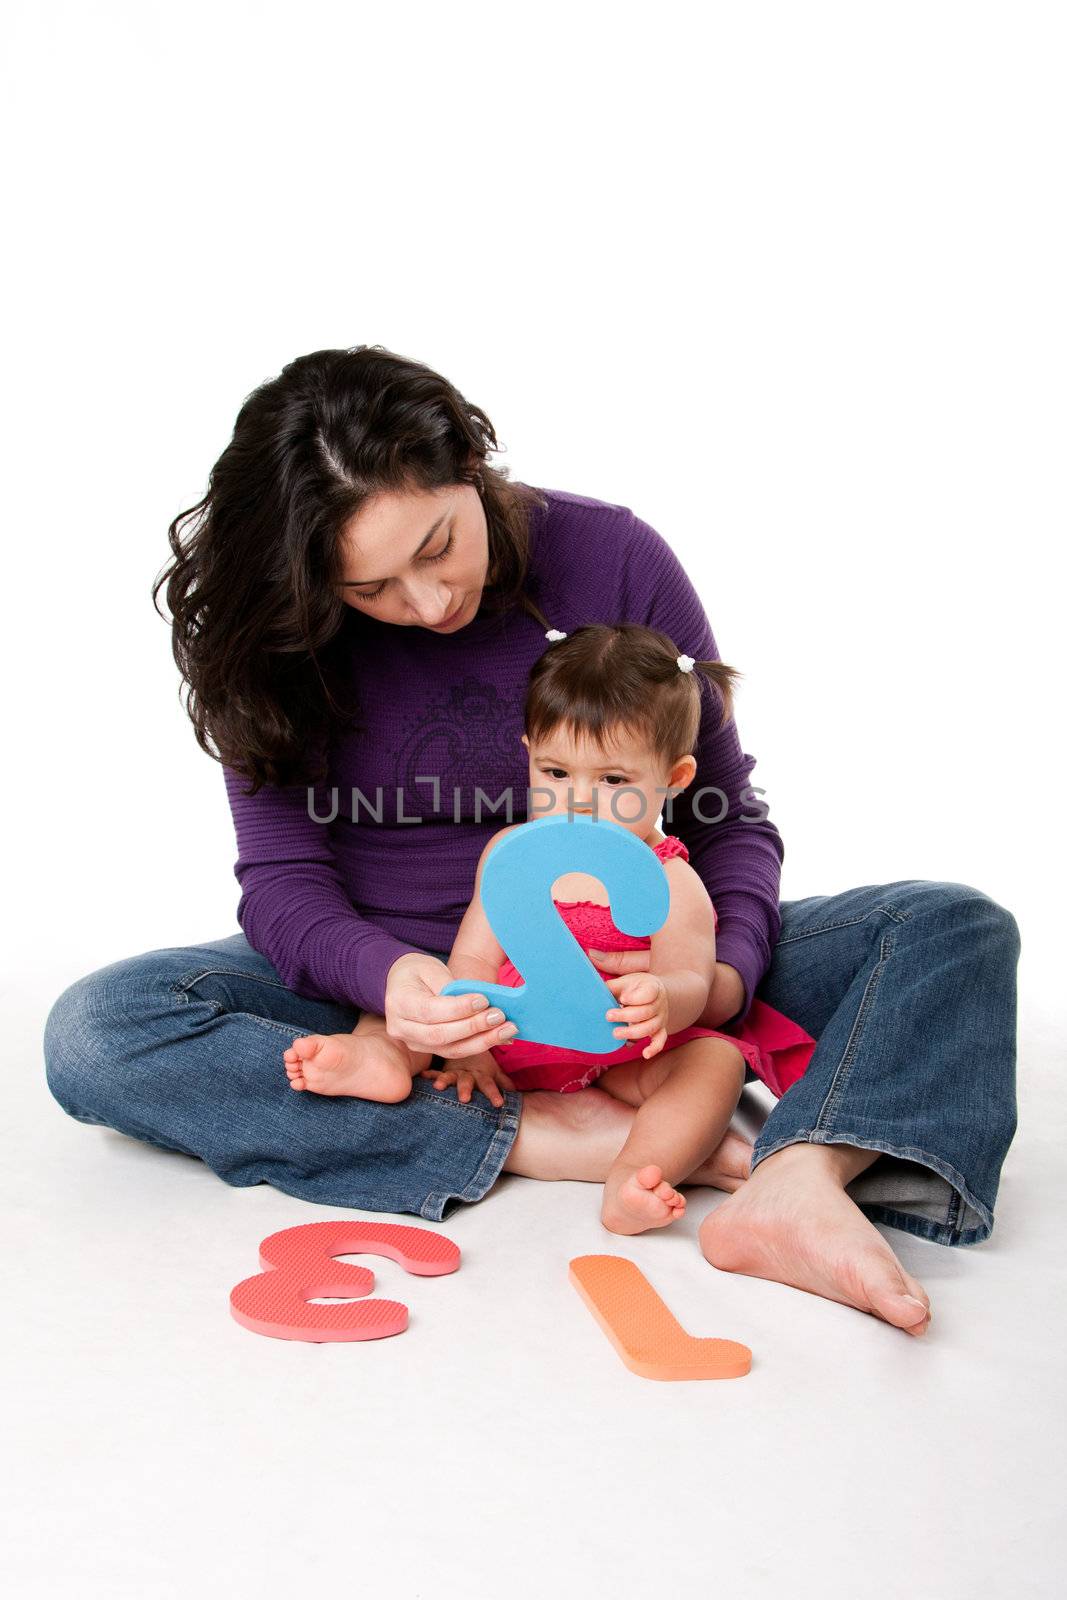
column 251, row 588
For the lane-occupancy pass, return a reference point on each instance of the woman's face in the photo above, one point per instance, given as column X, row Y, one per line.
column 418, row 560
column 623, row 782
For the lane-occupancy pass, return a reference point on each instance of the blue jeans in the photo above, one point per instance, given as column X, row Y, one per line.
column 908, row 987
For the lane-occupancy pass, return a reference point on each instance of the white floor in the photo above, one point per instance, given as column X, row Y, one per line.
column 499, row 1446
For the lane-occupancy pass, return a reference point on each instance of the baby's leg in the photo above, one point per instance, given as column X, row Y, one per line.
column 685, row 1099
column 365, row 1063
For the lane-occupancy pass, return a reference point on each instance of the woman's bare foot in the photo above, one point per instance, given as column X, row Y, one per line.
column 638, row 1199
column 727, row 1167
column 793, row 1222
column 568, row 1136
column 371, row 1067
column 579, row 1136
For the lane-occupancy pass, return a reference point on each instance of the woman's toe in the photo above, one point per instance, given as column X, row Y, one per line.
column 897, row 1306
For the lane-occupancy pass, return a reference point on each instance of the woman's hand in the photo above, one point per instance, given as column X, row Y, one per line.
column 725, row 997
column 454, row 1026
column 642, row 1010
column 482, row 1073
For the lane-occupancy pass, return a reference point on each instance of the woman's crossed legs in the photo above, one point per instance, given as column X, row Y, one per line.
column 909, row 988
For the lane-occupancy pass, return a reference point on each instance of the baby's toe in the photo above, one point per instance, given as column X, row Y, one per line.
column 650, row 1178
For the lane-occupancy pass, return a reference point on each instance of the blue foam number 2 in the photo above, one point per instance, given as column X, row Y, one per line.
column 563, row 999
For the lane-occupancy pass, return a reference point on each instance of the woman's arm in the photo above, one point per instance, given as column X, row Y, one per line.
column 739, row 854
column 294, row 908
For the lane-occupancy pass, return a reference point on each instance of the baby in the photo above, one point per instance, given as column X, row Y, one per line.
column 609, row 708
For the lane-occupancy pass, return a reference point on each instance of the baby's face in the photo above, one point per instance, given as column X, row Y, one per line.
column 621, row 782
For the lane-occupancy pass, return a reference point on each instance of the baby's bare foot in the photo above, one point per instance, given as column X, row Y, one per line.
column 374, row 1067
column 637, row 1200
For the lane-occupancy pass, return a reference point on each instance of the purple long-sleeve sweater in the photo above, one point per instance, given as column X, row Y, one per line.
column 332, row 904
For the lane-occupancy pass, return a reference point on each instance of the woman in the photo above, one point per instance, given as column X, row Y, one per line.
column 355, row 613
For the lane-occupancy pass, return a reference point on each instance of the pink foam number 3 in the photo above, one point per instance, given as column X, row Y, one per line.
column 299, row 1266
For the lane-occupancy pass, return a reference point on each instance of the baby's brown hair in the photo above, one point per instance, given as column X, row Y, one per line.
column 603, row 676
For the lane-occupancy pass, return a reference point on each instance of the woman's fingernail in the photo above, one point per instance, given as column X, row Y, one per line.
column 479, row 1000
column 494, row 1016
column 509, row 1031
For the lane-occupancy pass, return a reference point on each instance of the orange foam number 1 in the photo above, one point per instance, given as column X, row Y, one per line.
column 649, row 1339
column 563, row 998
column 299, row 1265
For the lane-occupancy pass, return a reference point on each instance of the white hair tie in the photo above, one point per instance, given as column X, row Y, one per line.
column 686, row 663
column 554, row 634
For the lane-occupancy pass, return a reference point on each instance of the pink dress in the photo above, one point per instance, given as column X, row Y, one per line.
column 777, row 1050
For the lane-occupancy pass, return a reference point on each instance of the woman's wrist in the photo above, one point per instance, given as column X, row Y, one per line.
column 419, row 962
column 415, row 968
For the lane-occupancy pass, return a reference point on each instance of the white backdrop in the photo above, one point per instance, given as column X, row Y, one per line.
column 788, row 280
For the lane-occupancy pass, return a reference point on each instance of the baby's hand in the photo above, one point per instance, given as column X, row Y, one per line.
column 480, row 1071
column 642, row 1011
